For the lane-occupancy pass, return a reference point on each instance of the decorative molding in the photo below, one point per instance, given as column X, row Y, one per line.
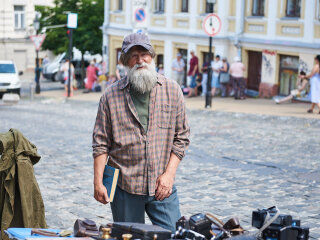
column 181, row 23
column 255, row 28
column 159, row 22
column 291, row 30
column 118, row 19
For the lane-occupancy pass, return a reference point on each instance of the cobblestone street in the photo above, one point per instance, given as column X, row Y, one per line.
column 235, row 164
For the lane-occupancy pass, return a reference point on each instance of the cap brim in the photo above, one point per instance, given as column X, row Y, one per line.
column 146, row 46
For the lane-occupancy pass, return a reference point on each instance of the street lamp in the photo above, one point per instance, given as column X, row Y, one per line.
column 208, row 102
column 36, row 25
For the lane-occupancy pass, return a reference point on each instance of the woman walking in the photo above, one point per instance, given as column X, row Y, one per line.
column 315, row 85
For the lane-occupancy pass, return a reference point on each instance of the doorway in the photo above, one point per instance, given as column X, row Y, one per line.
column 20, row 57
column 288, row 74
column 254, row 70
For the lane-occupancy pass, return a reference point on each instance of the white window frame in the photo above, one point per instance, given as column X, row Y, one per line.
column 157, row 6
column 297, row 15
column 187, row 2
column 256, row 7
column 318, row 11
column 19, row 18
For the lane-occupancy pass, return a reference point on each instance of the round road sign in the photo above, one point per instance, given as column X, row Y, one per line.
column 140, row 15
column 212, row 24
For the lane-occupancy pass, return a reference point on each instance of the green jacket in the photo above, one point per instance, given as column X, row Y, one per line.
column 21, row 203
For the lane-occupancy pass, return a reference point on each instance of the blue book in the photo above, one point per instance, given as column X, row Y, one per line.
column 110, row 179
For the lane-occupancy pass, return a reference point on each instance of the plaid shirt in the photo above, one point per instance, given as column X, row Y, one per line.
column 141, row 156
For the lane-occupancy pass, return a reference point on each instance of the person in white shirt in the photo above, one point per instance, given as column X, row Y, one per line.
column 216, row 67
column 178, row 69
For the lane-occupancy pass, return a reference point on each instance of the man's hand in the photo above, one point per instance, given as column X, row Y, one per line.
column 100, row 191
column 101, row 194
column 164, row 186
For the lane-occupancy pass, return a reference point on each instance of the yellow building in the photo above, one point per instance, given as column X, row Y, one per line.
column 275, row 38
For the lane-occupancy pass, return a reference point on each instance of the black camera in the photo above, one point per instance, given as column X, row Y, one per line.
column 283, row 227
column 197, row 222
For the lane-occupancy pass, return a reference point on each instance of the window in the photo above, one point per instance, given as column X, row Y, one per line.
column 209, row 7
column 7, row 68
column 120, row 6
column 318, row 11
column 19, row 21
column 258, row 8
column 184, row 6
column 293, row 8
column 159, row 6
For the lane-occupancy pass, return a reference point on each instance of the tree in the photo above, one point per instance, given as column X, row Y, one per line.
column 87, row 37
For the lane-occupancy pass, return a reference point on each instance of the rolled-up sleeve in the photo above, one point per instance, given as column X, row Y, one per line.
column 182, row 130
column 102, row 131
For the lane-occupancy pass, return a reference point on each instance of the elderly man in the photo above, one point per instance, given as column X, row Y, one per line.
column 141, row 127
column 178, row 69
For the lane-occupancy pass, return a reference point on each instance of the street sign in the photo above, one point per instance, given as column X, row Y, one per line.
column 38, row 40
column 212, row 24
column 140, row 15
column 72, row 20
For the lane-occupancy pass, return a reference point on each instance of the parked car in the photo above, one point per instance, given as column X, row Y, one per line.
column 51, row 69
column 9, row 78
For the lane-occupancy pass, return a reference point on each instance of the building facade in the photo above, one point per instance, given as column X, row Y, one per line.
column 274, row 38
column 16, row 27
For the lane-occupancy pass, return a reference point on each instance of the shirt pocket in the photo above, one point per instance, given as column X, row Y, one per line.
column 165, row 116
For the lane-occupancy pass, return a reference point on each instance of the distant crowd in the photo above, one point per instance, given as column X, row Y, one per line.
column 226, row 80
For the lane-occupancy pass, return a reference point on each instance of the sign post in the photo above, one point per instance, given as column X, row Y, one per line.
column 71, row 24
column 37, row 41
column 211, row 25
column 139, row 15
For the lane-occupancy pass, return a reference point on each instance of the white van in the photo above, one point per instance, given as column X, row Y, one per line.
column 9, row 78
column 51, row 69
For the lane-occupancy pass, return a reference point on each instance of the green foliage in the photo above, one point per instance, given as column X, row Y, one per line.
column 86, row 37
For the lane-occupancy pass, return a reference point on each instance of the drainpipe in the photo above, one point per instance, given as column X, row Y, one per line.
column 240, row 27
column 105, row 41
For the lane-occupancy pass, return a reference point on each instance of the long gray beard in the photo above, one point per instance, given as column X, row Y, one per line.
column 143, row 80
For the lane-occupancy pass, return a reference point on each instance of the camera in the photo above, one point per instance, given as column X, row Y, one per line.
column 283, row 227
column 197, row 223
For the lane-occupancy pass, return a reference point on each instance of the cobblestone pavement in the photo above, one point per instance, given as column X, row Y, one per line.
column 236, row 163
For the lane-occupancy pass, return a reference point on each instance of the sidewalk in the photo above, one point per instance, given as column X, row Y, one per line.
column 250, row 105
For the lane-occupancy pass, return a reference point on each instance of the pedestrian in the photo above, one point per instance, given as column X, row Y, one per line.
column 224, row 77
column 91, row 76
column 193, row 70
column 142, row 129
column 45, row 60
column 178, row 69
column 193, row 92
column 216, row 67
column 121, row 71
column 314, row 84
column 66, row 78
column 160, row 69
column 204, row 80
column 236, row 71
column 301, row 85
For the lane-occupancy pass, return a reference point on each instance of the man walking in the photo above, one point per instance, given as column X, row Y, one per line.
column 141, row 127
column 193, row 70
column 178, row 69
